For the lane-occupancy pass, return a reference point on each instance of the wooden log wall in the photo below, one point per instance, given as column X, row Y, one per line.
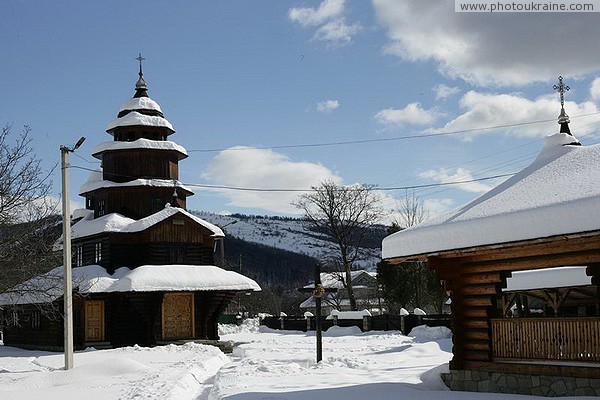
column 208, row 306
column 124, row 166
column 27, row 333
column 136, row 201
column 475, row 280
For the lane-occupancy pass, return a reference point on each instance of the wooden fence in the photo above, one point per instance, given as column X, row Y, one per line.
column 567, row 339
column 383, row 322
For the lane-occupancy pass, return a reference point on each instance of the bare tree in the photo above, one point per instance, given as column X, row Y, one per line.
column 344, row 213
column 411, row 210
column 411, row 283
column 28, row 226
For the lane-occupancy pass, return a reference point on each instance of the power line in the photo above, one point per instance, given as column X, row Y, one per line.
column 250, row 189
column 379, row 140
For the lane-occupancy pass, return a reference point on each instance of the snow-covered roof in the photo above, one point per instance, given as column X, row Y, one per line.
column 138, row 144
column 135, row 118
column 95, row 182
column 140, row 103
column 146, row 278
column 547, row 278
column 557, row 194
column 114, row 222
column 333, row 280
column 153, row 278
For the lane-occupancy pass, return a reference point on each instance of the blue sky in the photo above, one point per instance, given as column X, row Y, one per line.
column 231, row 74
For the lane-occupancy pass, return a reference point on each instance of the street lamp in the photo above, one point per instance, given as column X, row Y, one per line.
column 68, row 275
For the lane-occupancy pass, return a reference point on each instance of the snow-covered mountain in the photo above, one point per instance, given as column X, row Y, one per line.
column 291, row 235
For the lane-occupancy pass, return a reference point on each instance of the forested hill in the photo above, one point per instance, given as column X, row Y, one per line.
column 279, row 250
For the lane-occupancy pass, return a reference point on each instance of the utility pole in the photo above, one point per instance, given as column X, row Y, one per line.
column 68, row 273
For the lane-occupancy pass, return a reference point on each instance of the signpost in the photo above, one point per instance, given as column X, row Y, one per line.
column 318, row 292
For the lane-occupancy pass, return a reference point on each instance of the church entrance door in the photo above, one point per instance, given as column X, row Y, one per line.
column 178, row 316
column 94, row 320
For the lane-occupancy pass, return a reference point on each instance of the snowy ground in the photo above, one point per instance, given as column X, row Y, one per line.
column 266, row 364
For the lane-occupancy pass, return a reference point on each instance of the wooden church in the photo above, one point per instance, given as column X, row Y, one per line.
column 143, row 266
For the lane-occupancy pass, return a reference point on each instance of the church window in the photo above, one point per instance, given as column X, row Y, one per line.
column 97, row 252
column 101, row 208
column 79, row 256
column 36, row 319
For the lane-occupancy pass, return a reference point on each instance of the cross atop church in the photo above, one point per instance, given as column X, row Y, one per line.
column 140, row 59
column 561, row 88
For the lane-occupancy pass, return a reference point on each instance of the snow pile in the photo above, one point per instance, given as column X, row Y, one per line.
column 424, row 333
column 249, row 325
column 349, row 314
column 167, row 372
column 271, row 365
column 403, row 312
column 418, row 311
column 557, row 194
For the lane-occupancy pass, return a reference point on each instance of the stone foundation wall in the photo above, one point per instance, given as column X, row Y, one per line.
column 537, row 385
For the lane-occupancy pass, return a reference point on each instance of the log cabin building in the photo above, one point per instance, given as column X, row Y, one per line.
column 537, row 338
column 142, row 264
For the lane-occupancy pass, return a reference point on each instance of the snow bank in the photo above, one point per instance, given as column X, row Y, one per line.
column 349, row 314
column 249, row 325
column 336, row 331
column 423, row 333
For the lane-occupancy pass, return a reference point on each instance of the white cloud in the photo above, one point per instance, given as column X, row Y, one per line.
column 329, row 20
column 328, row 9
column 488, row 110
column 337, row 33
column 501, row 49
column 260, row 168
column 442, row 92
column 444, row 175
column 413, row 114
column 327, row 106
column 595, row 89
column 436, row 207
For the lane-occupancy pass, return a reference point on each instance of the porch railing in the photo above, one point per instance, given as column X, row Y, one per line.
column 565, row 339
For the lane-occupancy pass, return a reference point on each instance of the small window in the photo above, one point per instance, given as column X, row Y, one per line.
column 13, row 319
column 79, row 256
column 101, row 208
column 36, row 319
column 97, row 252
column 89, row 202
column 178, row 222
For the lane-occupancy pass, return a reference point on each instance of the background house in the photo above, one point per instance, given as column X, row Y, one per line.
column 365, row 288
